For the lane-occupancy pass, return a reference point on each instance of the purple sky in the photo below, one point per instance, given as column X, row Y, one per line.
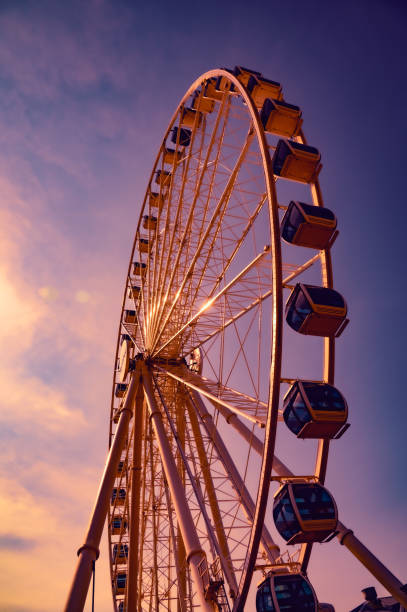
column 86, row 92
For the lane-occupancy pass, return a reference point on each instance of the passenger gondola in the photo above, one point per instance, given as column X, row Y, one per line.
column 120, row 583
column 203, row 104
column 190, row 117
column 182, row 136
column 120, row 553
column 309, row 226
column 244, row 74
column 130, row 316
column 120, row 494
column 156, row 200
column 139, row 268
column 261, row 89
column 143, row 245
column 149, row 222
column 286, row 592
column 296, row 162
column 316, row 311
column 315, row 410
column 171, row 156
column 163, row 178
column 281, row 118
column 121, row 389
column 134, row 292
column 211, row 92
column 304, row 512
column 118, row 524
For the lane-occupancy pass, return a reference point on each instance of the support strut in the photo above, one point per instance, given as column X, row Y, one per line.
column 195, row 553
column 89, row 551
column 372, row 563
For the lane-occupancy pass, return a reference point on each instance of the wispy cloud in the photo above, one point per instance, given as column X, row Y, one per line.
column 9, row 541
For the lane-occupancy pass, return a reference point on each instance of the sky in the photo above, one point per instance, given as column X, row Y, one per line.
column 87, row 89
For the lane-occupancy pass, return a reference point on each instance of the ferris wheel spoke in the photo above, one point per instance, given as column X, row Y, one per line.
column 211, row 230
column 172, row 255
column 211, row 321
column 250, row 437
column 239, row 243
column 160, row 276
column 202, row 282
column 238, row 290
column 271, row 549
column 247, row 407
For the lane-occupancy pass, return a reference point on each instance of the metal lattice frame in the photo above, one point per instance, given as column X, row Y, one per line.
column 214, row 279
column 206, row 375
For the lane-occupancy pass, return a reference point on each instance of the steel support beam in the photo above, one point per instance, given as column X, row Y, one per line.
column 134, row 522
column 225, row 558
column 248, row 505
column 372, row 563
column 247, row 434
column 194, row 551
column 89, row 551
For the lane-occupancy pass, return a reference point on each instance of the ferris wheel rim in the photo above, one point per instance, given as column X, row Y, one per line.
column 275, row 370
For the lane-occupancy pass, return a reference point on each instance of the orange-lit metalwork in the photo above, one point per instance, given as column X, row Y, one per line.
column 200, row 365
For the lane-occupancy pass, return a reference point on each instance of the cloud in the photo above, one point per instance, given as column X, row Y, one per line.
column 15, row 543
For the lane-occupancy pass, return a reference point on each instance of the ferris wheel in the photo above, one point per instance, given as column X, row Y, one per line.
column 233, row 247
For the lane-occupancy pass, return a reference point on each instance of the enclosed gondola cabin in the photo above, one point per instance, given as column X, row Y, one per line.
column 120, row 494
column 120, row 583
column 210, row 90
column 144, row 245
column 163, row 178
column 309, row 226
column 281, row 118
column 118, row 524
column 223, row 84
column 149, row 222
column 120, row 553
column 244, row 74
column 190, row 118
column 139, row 269
column 315, row 410
column 304, row 512
column 181, row 136
column 287, row 592
column 130, row 316
column 171, row 156
column 202, row 104
column 260, row 89
column 134, row 292
column 156, row 200
column 316, row 311
column 121, row 389
column 296, row 162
